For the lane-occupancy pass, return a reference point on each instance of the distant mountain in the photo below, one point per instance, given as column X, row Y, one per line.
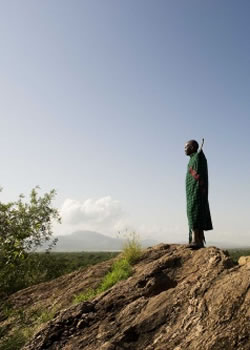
column 94, row 241
column 91, row 241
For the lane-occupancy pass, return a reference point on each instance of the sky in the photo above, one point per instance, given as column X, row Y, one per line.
column 98, row 98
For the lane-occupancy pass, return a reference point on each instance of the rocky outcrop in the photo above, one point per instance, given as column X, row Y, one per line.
column 244, row 260
column 176, row 299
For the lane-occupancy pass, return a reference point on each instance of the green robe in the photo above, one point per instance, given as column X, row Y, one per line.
column 198, row 212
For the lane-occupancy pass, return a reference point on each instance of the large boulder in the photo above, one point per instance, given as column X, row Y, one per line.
column 176, row 299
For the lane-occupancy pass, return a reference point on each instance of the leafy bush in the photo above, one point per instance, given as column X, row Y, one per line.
column 24, row 227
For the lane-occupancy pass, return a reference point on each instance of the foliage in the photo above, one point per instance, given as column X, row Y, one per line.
column 44, row 267
column 27, row 323
column 237, row 253
column 46, row 316
column 57, row 264
column 121, row 269
column 132, row 249
column 15, row 341
column 89, row 294
column 24, row 227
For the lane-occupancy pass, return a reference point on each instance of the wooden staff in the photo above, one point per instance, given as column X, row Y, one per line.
column 202, row 143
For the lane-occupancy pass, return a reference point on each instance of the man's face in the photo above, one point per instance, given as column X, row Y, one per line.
column 189, row 148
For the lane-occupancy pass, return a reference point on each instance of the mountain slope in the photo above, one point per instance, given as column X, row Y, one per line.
column 176, row 299
column 91, row 241
column 87, row 240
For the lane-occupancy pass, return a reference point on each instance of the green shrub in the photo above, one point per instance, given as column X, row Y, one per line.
column 25, row 226
column 132, row 249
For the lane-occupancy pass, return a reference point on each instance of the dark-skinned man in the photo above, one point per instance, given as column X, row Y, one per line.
column 198, row 213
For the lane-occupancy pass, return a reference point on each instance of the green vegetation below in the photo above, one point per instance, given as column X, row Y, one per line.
column 27, row 323
column 47, row 266
column 44, row 267
column 40, row 267
column 237, row 253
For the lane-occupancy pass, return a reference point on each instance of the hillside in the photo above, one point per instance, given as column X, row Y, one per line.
column 176, row 299
column 87, row 240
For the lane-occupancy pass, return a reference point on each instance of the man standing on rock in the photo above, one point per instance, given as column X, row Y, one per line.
column 198, row 213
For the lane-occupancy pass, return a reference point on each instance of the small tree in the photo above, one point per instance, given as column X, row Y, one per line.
column 24, row 226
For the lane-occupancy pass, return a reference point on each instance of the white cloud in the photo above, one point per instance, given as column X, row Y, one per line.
column 100, row 214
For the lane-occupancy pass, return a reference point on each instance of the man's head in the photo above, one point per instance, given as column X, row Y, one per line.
column 191, row 147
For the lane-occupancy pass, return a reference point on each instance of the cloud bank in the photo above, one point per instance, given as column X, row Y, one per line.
column 102, row 214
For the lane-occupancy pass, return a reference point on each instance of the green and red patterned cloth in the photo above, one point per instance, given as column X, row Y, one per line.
column 198, row 212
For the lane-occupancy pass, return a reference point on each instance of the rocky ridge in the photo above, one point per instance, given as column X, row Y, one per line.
column 176, row 299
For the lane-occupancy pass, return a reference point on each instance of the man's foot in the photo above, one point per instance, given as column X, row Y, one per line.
column 195, row 246
column 198, row 240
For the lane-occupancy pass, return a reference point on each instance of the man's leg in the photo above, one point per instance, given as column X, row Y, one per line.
column 198, row 239
column 201, row 238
